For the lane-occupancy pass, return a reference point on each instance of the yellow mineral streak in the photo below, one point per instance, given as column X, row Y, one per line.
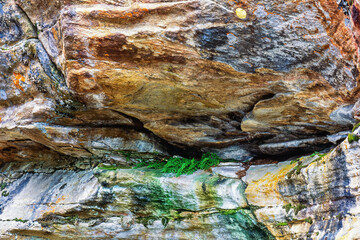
column 264, row 191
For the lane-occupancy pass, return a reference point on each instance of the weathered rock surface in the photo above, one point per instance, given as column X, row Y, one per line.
column 86, row 85
column 313, row 198
column 179, row 74
column 122, row 204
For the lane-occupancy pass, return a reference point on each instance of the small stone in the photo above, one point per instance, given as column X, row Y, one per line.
column 241, row 13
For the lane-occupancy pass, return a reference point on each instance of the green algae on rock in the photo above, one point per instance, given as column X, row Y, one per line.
column 124, row 204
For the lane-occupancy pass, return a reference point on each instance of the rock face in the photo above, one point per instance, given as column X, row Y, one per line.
column 88, row 87
column 155, row 76
column 315, row 197
column 122, row 204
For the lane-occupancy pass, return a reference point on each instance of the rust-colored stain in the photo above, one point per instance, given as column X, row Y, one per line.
column 52, row 206
column 17, row 78
column 134, row 13
column 55, row 34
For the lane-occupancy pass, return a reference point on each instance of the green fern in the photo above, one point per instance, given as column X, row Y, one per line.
column 172, row 165
column 182, row 169
column 156, row 165
column 208, row 160
column 142, row 163
column 193, row 166
column 182, row 166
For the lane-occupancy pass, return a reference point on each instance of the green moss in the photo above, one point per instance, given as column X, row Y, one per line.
column 126, row 155
column 300, row 165
column 229, row 211
column 296, row 169
column 297, row 208
column 308, row 220
column 355, row 127
column 282, row 224
column 314, row 154
column 339, row 216
column 295, row 160
column 74, row 219
column 5, row 194
column 3, row 186
column 107, row 167
column 287, row 207
column 352, row 138
column 19, row 220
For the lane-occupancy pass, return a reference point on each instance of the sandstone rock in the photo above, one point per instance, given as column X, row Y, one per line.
column 315, row 197
column 122, row 204
column 192, row 73
column 228, row 170
column 89, row 86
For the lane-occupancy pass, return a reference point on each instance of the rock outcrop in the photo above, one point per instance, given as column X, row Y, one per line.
column 314, row 197
column 103, row 203
column 89, row 87
column 175, row 76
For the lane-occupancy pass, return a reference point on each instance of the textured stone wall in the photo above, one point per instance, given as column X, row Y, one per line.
column 88, row 87
column 175, row 77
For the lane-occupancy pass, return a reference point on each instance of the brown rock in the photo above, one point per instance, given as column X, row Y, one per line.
column 196, row 75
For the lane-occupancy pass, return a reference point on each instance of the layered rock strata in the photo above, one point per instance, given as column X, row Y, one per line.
column 87, row 87
column 175, row 75
column 314, row 197
column 103, row 203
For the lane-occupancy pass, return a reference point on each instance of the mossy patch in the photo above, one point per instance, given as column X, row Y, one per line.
column 355, row 127
column 301, row 163
column 297, row 208
column 3, row 186
column 282, row 224
column 353, row 138
column 308, row 220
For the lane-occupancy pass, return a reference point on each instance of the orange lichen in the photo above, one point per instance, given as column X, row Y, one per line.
column 52, row 206
column 134, row 13
column 18, row 77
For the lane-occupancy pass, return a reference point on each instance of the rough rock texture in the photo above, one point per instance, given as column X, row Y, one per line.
column 122, row 204
column 87, row 87
column 161, row 76
column 315, row 197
